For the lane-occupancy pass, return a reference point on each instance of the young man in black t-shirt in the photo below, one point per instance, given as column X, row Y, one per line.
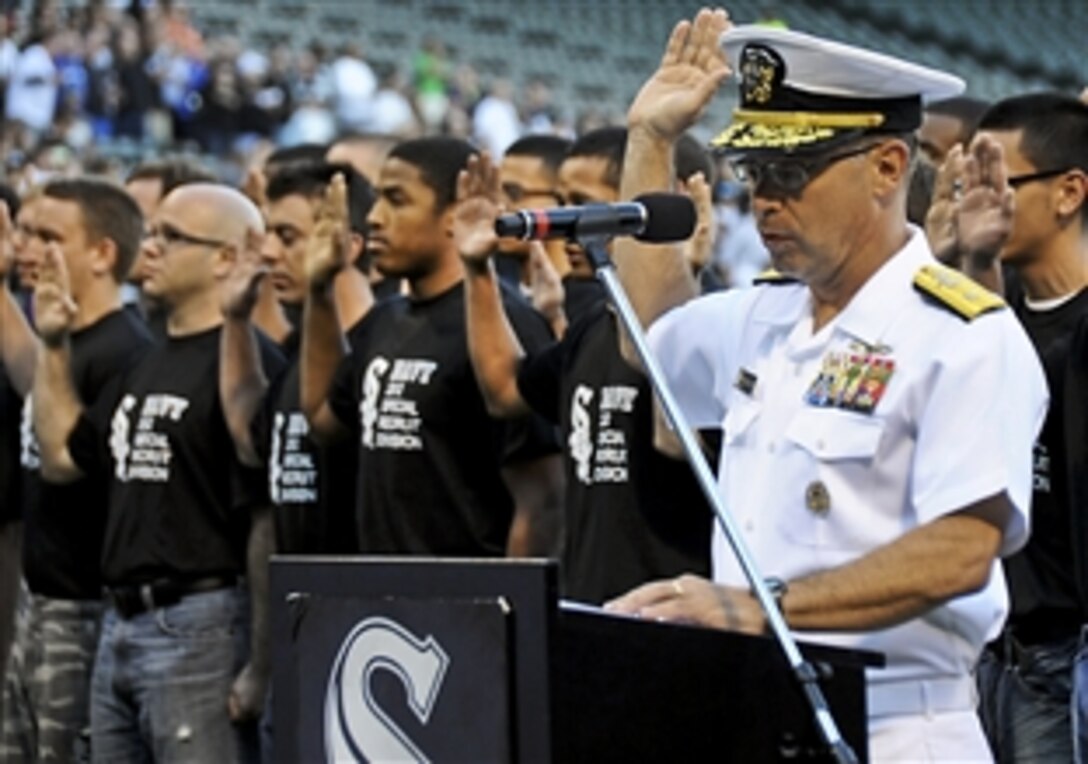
column 1025, row 208
column 436, row 475
column 11, row 528
column 311, row 487
column 529, row 177
column 631, row 514
column 94, row 228
column 182, row 509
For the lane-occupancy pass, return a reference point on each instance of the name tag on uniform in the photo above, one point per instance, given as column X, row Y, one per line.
column 745, row 381
column 854, row 381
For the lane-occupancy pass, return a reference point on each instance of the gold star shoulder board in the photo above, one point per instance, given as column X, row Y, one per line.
column 773, row 277
column 956, row 292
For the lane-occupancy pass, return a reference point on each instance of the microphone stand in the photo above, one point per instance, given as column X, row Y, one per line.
column 803, row 671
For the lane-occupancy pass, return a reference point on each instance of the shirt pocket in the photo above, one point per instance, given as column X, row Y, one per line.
column 831, row 483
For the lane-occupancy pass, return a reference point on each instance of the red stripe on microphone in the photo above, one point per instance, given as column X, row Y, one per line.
column 541, row 225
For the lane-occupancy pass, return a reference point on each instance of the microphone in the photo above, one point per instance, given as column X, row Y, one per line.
column 654, row 218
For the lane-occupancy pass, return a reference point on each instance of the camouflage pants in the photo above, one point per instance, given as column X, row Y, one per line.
column 11, row 572
column 46, row 698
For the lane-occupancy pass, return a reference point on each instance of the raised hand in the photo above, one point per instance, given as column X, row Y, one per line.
column 699, row 248
column 477, row 206
column 330, row 241
column 54, row 308
column 241, row 289
column 690, row 72
column 545, row 283
column 944, row 206
column 254, row 187
column 7, row 254
column 984, row 217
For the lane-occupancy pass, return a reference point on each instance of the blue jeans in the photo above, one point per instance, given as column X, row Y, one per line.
column 161, row 681
column 1027, row 699
column 1080, row 700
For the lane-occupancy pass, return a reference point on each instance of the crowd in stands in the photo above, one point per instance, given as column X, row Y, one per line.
column 102, row 82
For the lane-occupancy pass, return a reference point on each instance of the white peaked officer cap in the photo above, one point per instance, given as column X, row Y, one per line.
column 804, row 94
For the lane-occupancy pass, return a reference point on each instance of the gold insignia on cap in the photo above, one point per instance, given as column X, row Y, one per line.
column 953, row 290
column 865, row 120
column 746, row 135
column 760, row 70
column 817, row 498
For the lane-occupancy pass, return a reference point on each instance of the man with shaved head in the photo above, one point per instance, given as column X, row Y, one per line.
column 182, row 509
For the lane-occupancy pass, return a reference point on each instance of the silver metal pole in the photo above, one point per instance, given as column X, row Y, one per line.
column 802, row 669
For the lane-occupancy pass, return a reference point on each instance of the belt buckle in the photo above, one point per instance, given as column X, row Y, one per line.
column 126, row 603
column 147, row 597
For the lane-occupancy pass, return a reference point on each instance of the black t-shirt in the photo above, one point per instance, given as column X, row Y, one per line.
column 10, row 483
column 1041, row 577
column 65, row 523
column 177, row 489
column 1067, row 371
column 154, row 316
column 312, row 487
column 508, row 268
column 385, row 288
column 430, row 456
column 632, row 514
column 580, row 296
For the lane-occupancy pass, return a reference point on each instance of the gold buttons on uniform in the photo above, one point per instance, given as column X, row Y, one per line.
column 817, row 499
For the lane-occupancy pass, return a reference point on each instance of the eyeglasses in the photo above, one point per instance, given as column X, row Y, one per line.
column 515, row 192
column 171, row 237
column 1018, row 180
column 792, row 174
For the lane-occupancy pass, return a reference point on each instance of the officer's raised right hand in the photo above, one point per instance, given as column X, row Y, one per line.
column 690, row 72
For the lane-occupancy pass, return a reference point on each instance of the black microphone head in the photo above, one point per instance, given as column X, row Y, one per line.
column 669, row 217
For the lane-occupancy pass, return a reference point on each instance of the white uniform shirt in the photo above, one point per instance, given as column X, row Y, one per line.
column 816, row 486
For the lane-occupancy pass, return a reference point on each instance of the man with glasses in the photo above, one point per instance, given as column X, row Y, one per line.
column 878, row 408
column 94, row 228
column 529, row 176
column 1021, row 210
column 182, row 508
column 630, row 513
column 148, row 184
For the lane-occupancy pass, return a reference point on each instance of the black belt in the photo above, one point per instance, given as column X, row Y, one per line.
column 133, row 600
column 1013, row 652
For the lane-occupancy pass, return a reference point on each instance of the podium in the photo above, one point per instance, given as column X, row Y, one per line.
column 426, row 659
